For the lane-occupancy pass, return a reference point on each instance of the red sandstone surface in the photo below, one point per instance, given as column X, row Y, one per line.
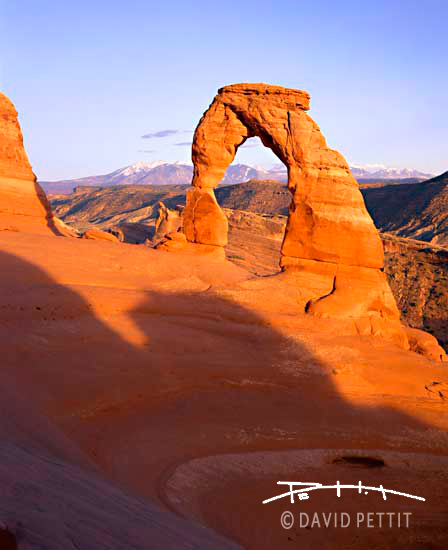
column 153, row 400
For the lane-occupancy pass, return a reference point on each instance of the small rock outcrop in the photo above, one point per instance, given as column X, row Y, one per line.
column 95, row 234
column 425, row 344
column 330, row 238
column 168, row 221
column 66, row 230
column 170, row 237
column 23, row 203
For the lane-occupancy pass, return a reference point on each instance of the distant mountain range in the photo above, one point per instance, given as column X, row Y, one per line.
column 159, row 173
column 179, row 173
column 380, row 172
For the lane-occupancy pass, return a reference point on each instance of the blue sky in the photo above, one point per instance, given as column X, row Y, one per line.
column 90, row 78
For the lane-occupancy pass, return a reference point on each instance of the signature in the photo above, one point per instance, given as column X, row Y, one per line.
column 302, row 494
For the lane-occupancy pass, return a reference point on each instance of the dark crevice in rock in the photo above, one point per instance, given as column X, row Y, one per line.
column 360, row 461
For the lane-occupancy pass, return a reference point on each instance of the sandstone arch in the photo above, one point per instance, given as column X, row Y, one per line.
column 329, row 235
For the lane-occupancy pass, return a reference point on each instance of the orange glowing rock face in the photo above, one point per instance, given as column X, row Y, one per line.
column 13, row 160
column 196, row 386
column 328, row 220
column 23, row 203
column 330, row 237
column 99, row 235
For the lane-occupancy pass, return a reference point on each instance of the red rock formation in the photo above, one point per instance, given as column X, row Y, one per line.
column 168, row 221
column 95, row 234
column 169, row 236
column 425, row 344
column 23, row 203
column 329, row 235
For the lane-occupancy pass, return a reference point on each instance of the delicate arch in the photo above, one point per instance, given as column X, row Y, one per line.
column 327, row 220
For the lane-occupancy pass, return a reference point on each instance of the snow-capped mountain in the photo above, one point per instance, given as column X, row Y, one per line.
column 379, row 171
column 278, row 169
column 144, row 167
column 161, row 172
column 367, row 172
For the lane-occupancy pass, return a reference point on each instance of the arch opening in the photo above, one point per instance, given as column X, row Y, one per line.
column 256, row 208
